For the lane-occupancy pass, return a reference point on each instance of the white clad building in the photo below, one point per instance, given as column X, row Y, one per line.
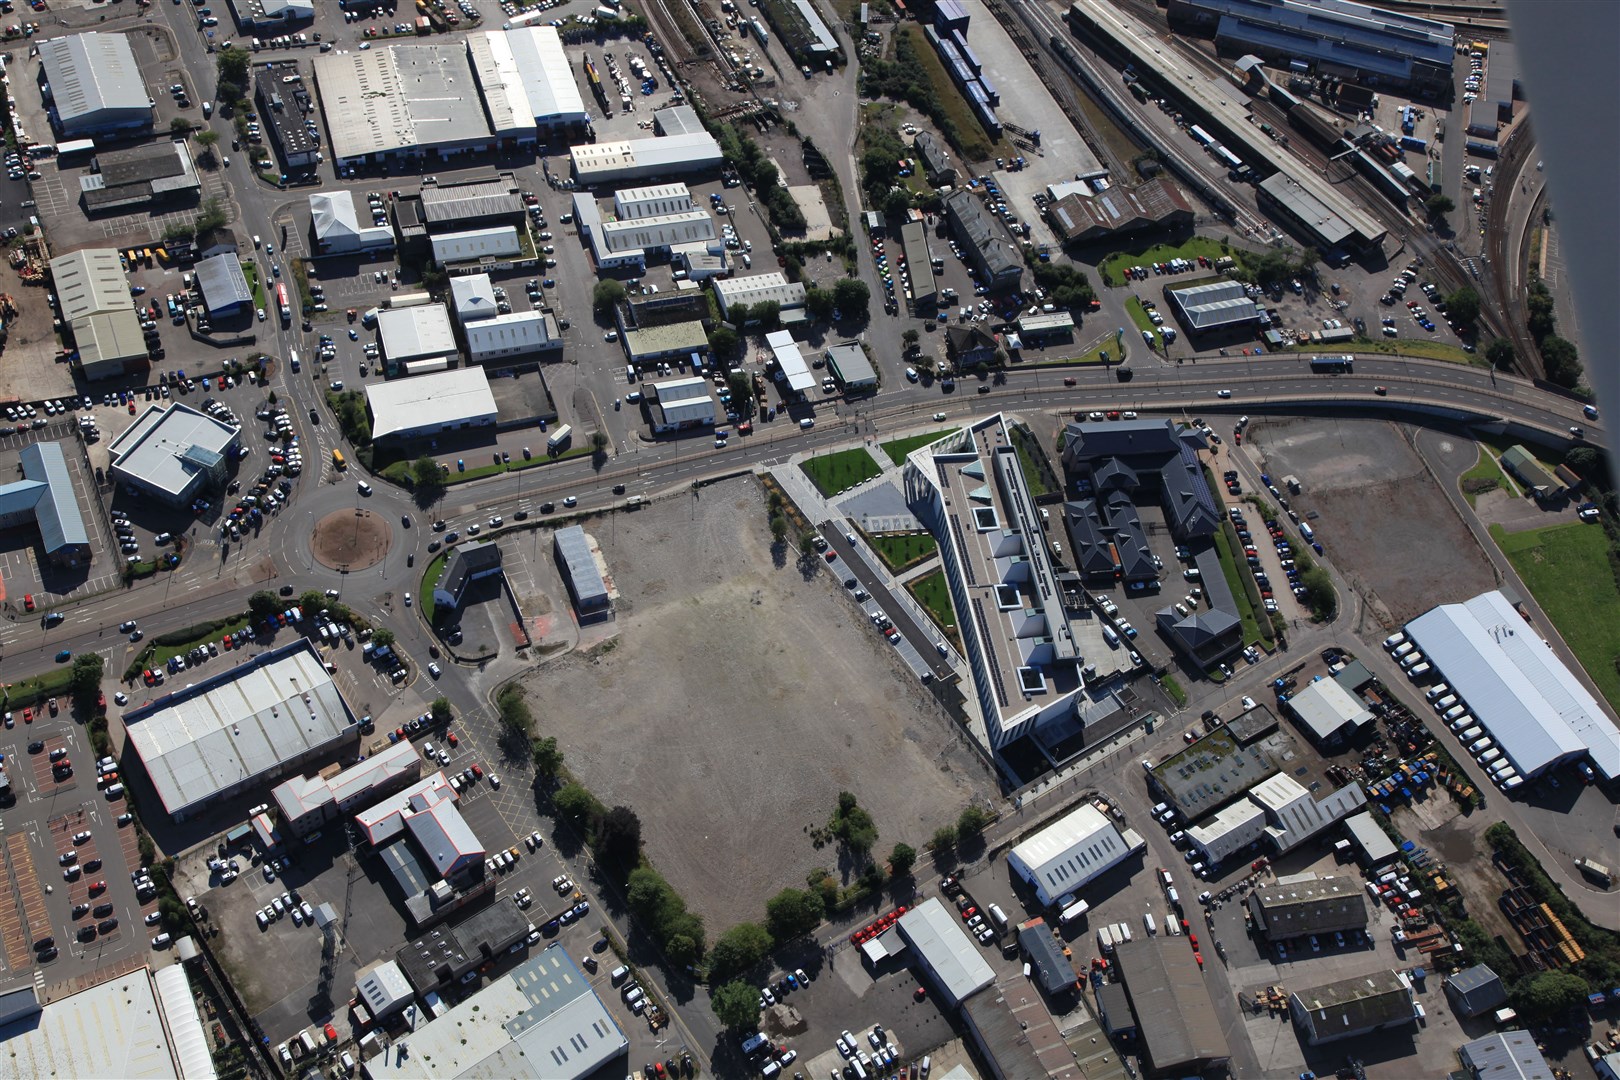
column 516, row 334
column 1278, row 809
column 495, row 242
column 634, row 237
column 642, row 202
column 682, row 403
column 644, row 159
column 338, row 229
column 472, row 296
column 795, row 368
column 1539, row 713
column 1071, row 852
column 416, row 333
column 526, row 81
column 759, row 289
column 424, row 405
column 1329, row 712
column 943, row 948
column 95, row 84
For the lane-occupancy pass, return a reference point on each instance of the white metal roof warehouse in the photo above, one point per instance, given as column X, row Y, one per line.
column 1070, row 852
column 247, row 724
column 95, row 83
column 1535, row 708
column 426, row 404
column 644, row 159
column 943, row 947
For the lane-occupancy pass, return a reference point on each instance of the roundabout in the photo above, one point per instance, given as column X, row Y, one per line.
column 351, row 539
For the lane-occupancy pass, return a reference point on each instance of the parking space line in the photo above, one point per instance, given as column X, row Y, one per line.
column 32, row 900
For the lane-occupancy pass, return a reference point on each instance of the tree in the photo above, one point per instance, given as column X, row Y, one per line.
column 442, row 713
column 902, row 859
column 514, row 711
column 1549, row 994
column 548, row 759
column 724, row 340
column 618, row 835
column 1463, row 306
column 910, row 338
column 768, row 313
column 852, row 824
column 180, row 126
column 792, row 913
column 738, row 949
column 1585, row 460
column 897, row 202
column 212, row 216
column 427, row 478
column 1562, row 361
column 1501, row 354
column 944, row 839
column 86, row 681
column 649, row 895
column 972, row 821
column 736, row 1005
column 575, row 805
column 779, row 528
column 742, row 393
column 207, row 138
column 681, row 950
column 819, row 302
column 382, row 637
column 263, row 605
column 739, row 314
column 233, row 72
column 1439, row 205
column 807, row 545
column 608, row 294
column 1539, row 303
column 854, row 297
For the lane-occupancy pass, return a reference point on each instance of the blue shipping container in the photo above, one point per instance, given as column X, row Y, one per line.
column 1418, row 145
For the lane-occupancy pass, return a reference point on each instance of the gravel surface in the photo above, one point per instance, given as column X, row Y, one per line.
column 1384, row 522
column 738, row 699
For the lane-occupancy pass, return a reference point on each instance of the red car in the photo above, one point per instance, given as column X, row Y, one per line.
column 97, row 888
column 28, row 601
column 450, row 737
column 477, row 772
column 831, row 555
column 28, row 716
column 969, row 912
column 227, row 642
column 1069, row 381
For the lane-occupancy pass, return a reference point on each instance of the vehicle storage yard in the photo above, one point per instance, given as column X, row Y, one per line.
column 1378, row 503
column 718, row 640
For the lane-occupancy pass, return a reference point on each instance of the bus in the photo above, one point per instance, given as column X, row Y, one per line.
column 337, row 459
column 281, row 301
column 1200, row 134
column 1333, row 365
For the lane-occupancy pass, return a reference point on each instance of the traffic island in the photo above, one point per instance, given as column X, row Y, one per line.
column 349, row 540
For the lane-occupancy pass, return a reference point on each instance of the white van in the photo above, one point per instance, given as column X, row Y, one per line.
column 365, row 488
column 1410, row 659
column 1444, row 704
column 1454, row 712
column 1436, row 690
column 748, row 261
column 618, row 975
column 999, row 916
column 1464, row 721
column 1405, row 648
column 1109, row 635
column 115, row 791
column 1419, row 672
column 807, row 423
column 1479, row 746
column 1147, row 921
column 1395, row 639
column 1489, row 756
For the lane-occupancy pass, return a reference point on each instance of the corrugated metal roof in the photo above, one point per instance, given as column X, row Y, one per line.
column 1070, row 852
column 938, row 938
column 91, row 74
column 1179, row 1027
column 56, row 509
column 188, row 1042
column 423, row 401
column 584, row 576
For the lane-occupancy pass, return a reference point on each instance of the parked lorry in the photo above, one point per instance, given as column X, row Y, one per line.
column 1596, row 871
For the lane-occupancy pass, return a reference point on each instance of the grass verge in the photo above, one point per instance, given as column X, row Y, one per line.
column 897, row 449
column 1486, row 475
column 156, row 653
column 1567, row 570
column 935, row 597
column 1416, row 347
column 1225, row 540
column 1139, row 314
column 36, row 688
column 975, row 144
column 430, row 578
column 900, row 550
column 1173, row 688
column 840, row 471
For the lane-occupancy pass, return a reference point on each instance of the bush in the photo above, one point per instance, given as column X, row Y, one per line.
column 972, row 821
column 944, row 839
column 737, row 950
column 793, row 913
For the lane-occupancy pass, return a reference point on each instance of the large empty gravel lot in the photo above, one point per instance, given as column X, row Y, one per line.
column 1384, row 522
column 738, row 700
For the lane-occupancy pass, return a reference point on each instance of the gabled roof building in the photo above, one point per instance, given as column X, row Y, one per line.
column 991, row 249
column 1066, row 855
column 467, row 563
column 45, row 498
column 337, row 228
column 1298, row 908
column 1354, row 1006
column 94, row 85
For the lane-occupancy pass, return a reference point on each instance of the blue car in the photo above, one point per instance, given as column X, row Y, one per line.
column 64, row 656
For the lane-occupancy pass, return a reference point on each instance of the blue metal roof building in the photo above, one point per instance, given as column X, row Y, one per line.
column 45, row 496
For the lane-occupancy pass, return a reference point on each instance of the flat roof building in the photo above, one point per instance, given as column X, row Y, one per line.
column 796, row 372
column 1066, row 855
column 773, row 287
column 1082, row 217
column 427, row 813
column 944, row 950
column 1165, row 983
column 577, row 560
column 142, row 1025
column 270, row 17
column 467, row 563
column 1375, row 845
column 541, row 1020
column 517, row 333
column 421, row 332
column 919, row 266
column 224, row 286
column 969, row 491
column 1535, row 708
column 94, row 300
column 45, row 498
column 849, row 365
column 1351, row 1007
column 306, row 803
column 154, row 172
column 644, row 159
column 173, row 453
column 990, row 247
column 1298, row 908
column 438, row 958
column 383, row 991
column 666, row 341
column 247, row 725
column 336, row 224
column 423, row 405
column 1328, row 713
column 285, row 107
column 93, row 85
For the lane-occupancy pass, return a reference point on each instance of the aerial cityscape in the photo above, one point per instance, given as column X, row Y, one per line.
column 800, row 539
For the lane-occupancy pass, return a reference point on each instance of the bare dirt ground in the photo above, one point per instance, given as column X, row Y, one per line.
column 1384, row 521
column 738, row 699
column 351, row 540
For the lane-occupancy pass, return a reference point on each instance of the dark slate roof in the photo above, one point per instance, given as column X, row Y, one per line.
column 1052, row 969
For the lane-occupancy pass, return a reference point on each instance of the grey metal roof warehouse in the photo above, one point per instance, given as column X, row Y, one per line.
column 579, row 567
column 241, row 726
column 45, row 495
column 943, row 947
column 461, row 204
column 1052, row 969
column 1476, row 990
column 415, row 332
column 1217, row 304
column 401, row 98
column 95, row 82
column 1376, row 846
column 1166, row 985
column 1353, row 1006
column 224, row 286
column 677, row 120
column 90, row 281
column 1506, row 1055
column 436, row 402
column 986, row 239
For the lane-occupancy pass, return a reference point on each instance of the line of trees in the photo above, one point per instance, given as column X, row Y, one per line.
column 760, row 173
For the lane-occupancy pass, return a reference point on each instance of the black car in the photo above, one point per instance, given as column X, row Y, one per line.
column 314, row 417
column 521, row 515
column 107, row 926
column 45, row 943
column 36, row 747
column 46, row 954
column 287, row 590
column 438, row 526
column 618, row 489
column 546, row 507
column 102, row 911
column 87, row 933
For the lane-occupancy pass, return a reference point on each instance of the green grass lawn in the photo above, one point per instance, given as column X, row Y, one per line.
column 900, row 550
column 1252, row 627
column 1112, row 269
column 430, row 578
column 840, row 471
column 36, row 688
column 897, row 449
column 935, row 597
column 1486, row 469
column 1173, row 688
column 1567, row 570
column 1139, row 314
column 251, row 272
column 1418, row 347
